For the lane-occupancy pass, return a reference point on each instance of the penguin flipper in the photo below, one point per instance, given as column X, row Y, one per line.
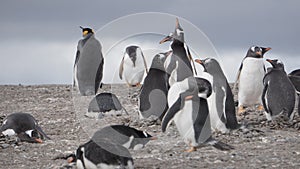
column 145, row 63
column 231, row 120
column 75, row 63
column 171, row 113
column 237, row 77
column 191, row 58
column 263, row 97
column 39, row 129
column 121, row 68
column 99, row 75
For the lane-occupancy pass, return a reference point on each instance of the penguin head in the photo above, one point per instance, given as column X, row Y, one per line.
column 178, row 34
column 86, row 31
column 199, row 85
column 276, row 64
column 257, row 52
column 159, row 60
column 31, row 136
column 210, row 65
column 131, row 51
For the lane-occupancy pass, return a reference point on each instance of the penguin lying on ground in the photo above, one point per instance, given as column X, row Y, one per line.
column 250, row 77
column 279, row 93
column 88, row 66
column 180, row 57
column 102, row 154
column 221, row 103
column 189, row 110
column 24, row 126
column 133, row 66
column 153, row 96
column 124, row 135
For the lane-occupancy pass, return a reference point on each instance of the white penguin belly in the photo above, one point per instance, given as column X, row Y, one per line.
column 251, row 82
column 133, row 75
column 184, row 123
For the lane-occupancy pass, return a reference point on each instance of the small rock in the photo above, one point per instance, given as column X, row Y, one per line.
column 4, row 146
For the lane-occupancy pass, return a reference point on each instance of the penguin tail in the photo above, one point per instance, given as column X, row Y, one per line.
column 220, row 145
column 39, row 129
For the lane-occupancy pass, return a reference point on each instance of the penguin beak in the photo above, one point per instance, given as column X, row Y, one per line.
column 168, row 38
column 269, row 60
column 199, row 61
column 267, row 49
column 70, row 159
column 38, row 140
column 153, row 138
column 188, row 97
column 81, row 27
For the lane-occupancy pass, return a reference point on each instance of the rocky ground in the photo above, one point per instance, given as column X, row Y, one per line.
column 62, row 115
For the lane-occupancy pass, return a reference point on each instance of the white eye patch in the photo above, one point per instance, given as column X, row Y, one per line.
column 178, row 32
column 29, row 133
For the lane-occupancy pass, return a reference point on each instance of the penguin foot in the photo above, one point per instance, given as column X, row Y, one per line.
column 191, row 149
column 241, row 110
column 260, row 108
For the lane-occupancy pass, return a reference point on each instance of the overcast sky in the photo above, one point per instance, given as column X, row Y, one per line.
column 38, row 39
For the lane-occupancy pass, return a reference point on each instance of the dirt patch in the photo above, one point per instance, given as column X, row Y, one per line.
column 262, row 145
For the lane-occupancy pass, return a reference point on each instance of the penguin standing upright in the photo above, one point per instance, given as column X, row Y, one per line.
column 180, row 58
column 153, row 96
column 88, row 66
column 126, row 136
column 133, row 66
column 189, row 110
column 279, row 93
column 221, row 103
column 104, row 154
column 24, row 126
column 250, row 77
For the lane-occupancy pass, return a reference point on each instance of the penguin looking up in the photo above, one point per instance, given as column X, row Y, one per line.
column 221, row 103
column 250, row 77
column 180, row 55
column 279, row 94
column 102, row 154
column 189, row 110
column 126, row 136
column 153, row 96
column 133, row 66
column 24, row 126
column 88, row 66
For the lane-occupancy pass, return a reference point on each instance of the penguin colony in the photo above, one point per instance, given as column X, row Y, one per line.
column 193, row 94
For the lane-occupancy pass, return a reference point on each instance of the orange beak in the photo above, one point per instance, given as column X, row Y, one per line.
column 168, row 38
column 188, row 97
column 70, row 159
column 39, row 140
column 198, row 61
column 267, row 49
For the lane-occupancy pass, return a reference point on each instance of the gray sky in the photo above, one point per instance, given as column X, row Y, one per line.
column 38, row 39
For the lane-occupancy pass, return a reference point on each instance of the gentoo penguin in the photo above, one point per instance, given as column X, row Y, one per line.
column 279, row 94
column 104, row 102
column 126, row 136
column 294, row 76
column 88, row 67
column 24, row 126
column 221, row 103
column 133, row 66
column 153, row 96
column 102, row 154
column 250, row 77
column 189, row 110
column 180, row 56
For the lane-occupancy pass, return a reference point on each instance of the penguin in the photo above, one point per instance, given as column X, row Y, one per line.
column 279, row 94
column 153, row 96
column 133, row 66
column 294, row 76
column 102, row 154
column 180, row 57
column 105, row 102
column 126, row 136
column 190, row 113
column 24, row 126
column 250, row 77
column 88, row 66
column 221, row 103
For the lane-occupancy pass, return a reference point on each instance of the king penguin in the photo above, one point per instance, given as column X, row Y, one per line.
column 88, row 66
column 153, row 96
column 180, row 57
column 279, row 94
column 126, row 136
column 102, row 154
column 190, row 113
column 133, row 66
column 221, row 103
column 250, row 77
column 24, row 126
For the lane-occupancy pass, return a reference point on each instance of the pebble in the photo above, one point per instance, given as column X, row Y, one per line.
column 4, row 146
